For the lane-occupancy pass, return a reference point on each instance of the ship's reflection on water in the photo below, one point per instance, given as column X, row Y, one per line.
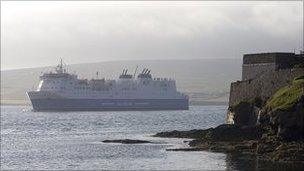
column 237, row 161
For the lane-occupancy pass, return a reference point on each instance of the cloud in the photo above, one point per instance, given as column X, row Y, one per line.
column 38, row 33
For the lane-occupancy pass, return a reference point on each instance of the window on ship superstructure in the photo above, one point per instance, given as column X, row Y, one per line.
column 40, row 84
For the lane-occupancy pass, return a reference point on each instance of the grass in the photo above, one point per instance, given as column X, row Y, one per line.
column 286, row 97
column 300, row 65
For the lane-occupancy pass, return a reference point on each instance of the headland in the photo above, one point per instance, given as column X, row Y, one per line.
column 265, row 116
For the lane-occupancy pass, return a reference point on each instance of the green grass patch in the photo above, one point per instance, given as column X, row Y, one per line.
column 299, row 78
column 300, row 65
column 286, row 97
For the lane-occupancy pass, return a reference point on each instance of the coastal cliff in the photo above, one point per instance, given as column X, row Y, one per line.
column 265, row 115
column 277, row 136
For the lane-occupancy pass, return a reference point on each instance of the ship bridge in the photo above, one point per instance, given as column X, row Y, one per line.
column 60, row 72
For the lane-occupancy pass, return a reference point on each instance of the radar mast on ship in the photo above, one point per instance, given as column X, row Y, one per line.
column 60, row 68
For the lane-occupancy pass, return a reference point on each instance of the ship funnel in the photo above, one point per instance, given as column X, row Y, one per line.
column 149, row 72
column 146, row 71
column 143, row 71
column 126, row 71
column 123, row 71
column 135, row 71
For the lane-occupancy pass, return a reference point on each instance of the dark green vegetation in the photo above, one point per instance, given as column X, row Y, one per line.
column 300, row 65
column 288, row 96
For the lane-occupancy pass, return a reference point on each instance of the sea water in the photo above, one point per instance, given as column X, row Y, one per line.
column 73, row 140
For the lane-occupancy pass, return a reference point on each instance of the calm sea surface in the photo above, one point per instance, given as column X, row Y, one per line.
column 73, row 140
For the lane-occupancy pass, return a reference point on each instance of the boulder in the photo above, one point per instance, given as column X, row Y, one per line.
column 234, row 133
column 245, row 113
column 195, row 133
column 289, row 124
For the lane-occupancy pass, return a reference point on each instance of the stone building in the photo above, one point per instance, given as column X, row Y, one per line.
column 257, row 64
column 264, row 73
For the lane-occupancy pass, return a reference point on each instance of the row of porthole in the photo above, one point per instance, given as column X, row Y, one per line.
column 82, row 88
column 147, row 82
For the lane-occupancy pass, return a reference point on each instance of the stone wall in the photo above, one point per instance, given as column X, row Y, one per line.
column 251, row 71
column 263, row 86
column 256, row 64
column 259, row 58
column 274, row 57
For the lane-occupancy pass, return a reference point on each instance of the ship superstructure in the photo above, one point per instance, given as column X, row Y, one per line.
column 61, row 90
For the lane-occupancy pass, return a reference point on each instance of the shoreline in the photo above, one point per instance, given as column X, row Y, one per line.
column 5, row 102
column 233, row 139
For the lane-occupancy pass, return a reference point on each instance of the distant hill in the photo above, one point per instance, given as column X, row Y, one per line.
column 205, row 80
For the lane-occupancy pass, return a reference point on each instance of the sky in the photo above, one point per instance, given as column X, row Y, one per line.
column 35, row 34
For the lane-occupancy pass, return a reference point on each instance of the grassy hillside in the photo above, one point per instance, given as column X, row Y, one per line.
column 286, row 97
column 204, row 80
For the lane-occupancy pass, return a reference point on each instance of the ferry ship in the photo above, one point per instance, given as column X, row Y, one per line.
column 63, row 91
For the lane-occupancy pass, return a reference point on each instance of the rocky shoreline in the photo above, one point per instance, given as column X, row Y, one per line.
column 265, row 117
column 233, row 139
column 273, row 130
column 224, row 138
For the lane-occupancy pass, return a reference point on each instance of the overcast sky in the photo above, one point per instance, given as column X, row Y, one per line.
column 39, row 33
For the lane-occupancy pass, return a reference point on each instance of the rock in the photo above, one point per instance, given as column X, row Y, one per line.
column 195, row 133
column 244, row 114
column 185, row 149
column 127, row 141
column 289, row 124
column 225, row 132
column 234, row 133
column 276, row 150
column 278, row 135
column 246, row 146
